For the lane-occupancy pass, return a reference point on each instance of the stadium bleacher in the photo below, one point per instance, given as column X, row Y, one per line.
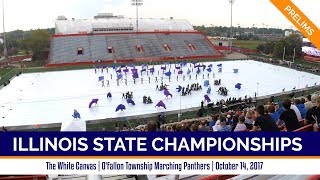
column 64, row 48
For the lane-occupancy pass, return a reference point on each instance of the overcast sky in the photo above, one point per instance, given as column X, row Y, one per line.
column 32, row 14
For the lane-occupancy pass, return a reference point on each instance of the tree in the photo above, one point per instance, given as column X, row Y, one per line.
column 278, row 49
column 38, row 43
column 291, row 42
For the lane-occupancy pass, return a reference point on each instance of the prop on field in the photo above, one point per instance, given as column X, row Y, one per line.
column 168, row 73
column 143, row 70
column 135, row 75
column 120, row 107
column 151, row 70
column 119, row 76
column 206, row 83
column 130, row 101
column 93, row 101
column 76, row 114
column 238, row 86
column 167, row 93
column 209, row 90
column 184, row 63
column 198, row 71
column 101, row 78
column 118, row 70
column 134, row 70
column 179, row 88
column 207, row 99
column 189, row 71
column 126, row 70
column 161, row 104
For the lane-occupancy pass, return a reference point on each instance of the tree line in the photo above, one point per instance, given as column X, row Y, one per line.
column 287, row 44
column 33, row 42
column 241, row 33
column 290, row 46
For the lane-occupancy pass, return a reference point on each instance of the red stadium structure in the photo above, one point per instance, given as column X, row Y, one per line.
column 115, row 40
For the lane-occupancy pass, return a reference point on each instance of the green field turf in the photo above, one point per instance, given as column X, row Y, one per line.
column 248, row 44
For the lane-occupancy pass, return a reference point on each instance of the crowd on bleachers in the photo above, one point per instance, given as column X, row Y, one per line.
column 286, row 115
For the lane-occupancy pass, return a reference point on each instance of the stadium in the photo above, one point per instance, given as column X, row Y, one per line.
column 164, row 54
column 163, row 76
column 117, row 40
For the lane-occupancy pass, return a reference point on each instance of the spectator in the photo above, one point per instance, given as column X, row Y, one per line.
column 223, row 125
column 296, row 110
column 272, row 112
column 240, row 125
column 313, row 115
column 116, row 126
column 264, row 121
column 289, row 116
column 168, row 129
column 203, row 127
column 124, row 127
column 280, row 108
column 152, row 126
column 193, row 128
column 4, row 129
column 174, row 127
column 200, row 112
column 308, row 103
column 249, row 119
column 235, row 120
column 301, row 107
column 229, row 120
column 185, row 128
column 213, row 121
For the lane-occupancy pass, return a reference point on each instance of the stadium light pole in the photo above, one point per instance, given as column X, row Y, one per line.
column 137, row 3
column 5, row 51
column 263, row 31
column 253, row 29
column 230, row 42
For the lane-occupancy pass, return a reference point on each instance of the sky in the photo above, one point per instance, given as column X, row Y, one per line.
column 33, row 14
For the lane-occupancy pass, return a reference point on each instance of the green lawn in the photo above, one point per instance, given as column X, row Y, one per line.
column 4, row 71
column 248, row 44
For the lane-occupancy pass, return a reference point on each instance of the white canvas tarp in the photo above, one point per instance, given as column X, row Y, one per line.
column 73, row 125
